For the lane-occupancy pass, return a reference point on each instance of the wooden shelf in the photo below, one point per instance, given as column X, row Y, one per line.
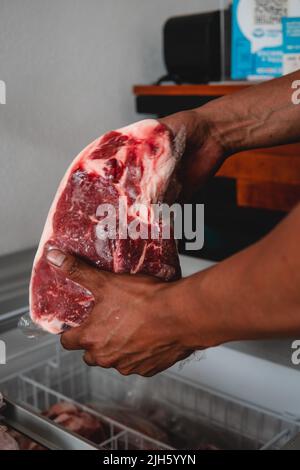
column 259, row 166
column 187, row 90
column 267, row 195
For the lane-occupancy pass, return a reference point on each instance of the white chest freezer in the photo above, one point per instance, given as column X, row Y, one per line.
column 221, row 398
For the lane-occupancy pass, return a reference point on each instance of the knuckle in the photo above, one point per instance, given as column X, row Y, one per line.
column 64, row 342
column 105, row 363
column 124, row 371
column 88, row 359
column 144, row 373
column 84, row 275
column 85, row 340
column 73, row 269
column 148, row 374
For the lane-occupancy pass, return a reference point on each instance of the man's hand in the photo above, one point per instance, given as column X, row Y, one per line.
column 141, row 325
column 204, row 152
column 132, row 326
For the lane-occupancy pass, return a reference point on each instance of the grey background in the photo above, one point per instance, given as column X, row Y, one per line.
column 69, row 67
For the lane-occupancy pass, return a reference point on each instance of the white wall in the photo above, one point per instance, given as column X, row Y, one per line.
column 69, row 66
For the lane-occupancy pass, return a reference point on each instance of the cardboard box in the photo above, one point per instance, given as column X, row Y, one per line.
column 257, row 37
column 291, row 44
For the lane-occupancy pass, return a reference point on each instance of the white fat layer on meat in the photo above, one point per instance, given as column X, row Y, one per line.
column 157, row 170
column 54, row 326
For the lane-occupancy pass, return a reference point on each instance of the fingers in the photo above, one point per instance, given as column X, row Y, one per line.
column 72, row 339
column 80, row 337
column 89, row 359
column 92, row 358
column 77, row 270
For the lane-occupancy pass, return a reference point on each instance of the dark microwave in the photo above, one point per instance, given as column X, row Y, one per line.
column 196, row 47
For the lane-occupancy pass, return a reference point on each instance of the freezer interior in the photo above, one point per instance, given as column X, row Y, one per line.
column 168, row 411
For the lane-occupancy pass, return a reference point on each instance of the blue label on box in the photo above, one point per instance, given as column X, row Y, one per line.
column 291, row 35
column 291, row 44
column 256, row 39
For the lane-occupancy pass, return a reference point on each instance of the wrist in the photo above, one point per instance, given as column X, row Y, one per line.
column 196, row 321
column 228, row 127
column 206, row 310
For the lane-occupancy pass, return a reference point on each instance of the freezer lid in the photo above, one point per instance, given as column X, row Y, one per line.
column 41, row 429
column 293, row 444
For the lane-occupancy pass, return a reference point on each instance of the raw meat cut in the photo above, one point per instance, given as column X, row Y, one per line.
column 24, row 442
column 136, row 163
column 99, row 430
column 135, row 420
column 7, row 442
column 10, row 439
column 72, row 418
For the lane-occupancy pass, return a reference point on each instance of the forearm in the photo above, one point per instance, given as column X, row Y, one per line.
column 259, row 116
column 254, row 294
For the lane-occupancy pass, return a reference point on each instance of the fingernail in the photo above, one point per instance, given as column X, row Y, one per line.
column 56, row 257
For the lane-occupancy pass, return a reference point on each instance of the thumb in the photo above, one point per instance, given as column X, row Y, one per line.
column 76, row 270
